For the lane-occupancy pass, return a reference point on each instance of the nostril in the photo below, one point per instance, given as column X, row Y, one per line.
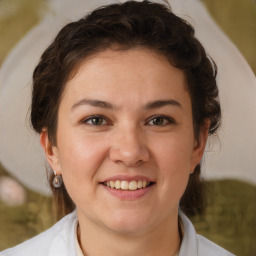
column 132, row 158
column 129, row 147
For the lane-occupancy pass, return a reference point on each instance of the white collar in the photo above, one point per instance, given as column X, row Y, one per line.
column 79, row 250
column 189, row 245
column 65, row 243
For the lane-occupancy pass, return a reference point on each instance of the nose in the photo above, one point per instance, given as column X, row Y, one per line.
column 129, row 148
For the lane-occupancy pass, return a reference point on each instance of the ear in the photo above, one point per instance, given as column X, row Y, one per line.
column 51, row 151
column 199, row 147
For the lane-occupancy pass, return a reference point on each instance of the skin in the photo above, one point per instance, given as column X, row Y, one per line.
column 126, row 140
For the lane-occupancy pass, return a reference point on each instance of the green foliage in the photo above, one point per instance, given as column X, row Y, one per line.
column 22, row 222
column 17, row 17
column 237, row 18
column 230, row 218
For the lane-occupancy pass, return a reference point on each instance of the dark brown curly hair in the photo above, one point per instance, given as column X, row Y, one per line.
column 122, row 27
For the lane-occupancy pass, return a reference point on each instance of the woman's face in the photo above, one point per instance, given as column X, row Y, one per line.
column 125, row 140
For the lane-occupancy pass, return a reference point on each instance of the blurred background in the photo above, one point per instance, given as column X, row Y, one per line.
column 230, row 218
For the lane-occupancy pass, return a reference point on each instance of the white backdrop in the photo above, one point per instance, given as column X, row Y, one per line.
column 233, row 157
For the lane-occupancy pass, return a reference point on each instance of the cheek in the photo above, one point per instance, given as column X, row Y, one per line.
column 174, row 153
column 80, row 160
column 174, row 162
column 80, row 155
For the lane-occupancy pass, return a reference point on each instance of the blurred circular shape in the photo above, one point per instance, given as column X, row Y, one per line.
column 11, row 192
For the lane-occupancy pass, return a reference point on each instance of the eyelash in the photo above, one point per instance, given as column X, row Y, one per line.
column 96, row 117
column 164, row 120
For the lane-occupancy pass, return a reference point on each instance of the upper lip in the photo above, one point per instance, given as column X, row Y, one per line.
column 128, row 178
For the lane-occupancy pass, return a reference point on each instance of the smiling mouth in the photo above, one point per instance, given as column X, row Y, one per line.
column 128, row 185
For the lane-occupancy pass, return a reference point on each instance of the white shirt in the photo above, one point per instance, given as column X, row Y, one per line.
column 60, row 240
column 78, row 248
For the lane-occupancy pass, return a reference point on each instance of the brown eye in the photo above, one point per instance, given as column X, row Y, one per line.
column 95, row 121
column 160, row 121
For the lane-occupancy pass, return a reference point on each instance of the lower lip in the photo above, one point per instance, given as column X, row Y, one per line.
column 129, row 194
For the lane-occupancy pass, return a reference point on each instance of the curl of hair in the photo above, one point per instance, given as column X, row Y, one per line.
column 122, row 27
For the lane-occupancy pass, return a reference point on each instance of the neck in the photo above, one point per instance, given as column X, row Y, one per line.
column 162, row 240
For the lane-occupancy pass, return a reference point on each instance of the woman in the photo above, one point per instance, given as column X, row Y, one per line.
column 124, row 100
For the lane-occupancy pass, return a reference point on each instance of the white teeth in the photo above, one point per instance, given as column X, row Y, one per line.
column 126, row 185
column 133, row 185
column 139, row 184
column 112, row 184
column 117, row 184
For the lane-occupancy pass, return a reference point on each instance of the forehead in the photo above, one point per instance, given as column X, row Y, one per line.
column 138, row 72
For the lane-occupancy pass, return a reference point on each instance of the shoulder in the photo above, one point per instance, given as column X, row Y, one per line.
column 194, row 244
column 48, row 243
column 206, row 247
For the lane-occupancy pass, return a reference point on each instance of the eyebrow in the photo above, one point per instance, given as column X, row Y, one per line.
column 107, row 105
column 162, row 103
column 95, row 103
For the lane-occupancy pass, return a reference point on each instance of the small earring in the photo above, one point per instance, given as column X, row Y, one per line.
column 57, row 180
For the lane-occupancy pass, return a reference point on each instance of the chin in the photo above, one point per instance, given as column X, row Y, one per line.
column 128, row 223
